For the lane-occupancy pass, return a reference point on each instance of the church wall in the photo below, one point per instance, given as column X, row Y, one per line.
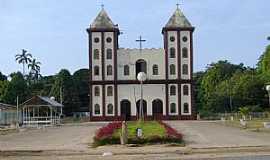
column 96, row 62
column 185, row 99
column 108, row 61
column 151, row 92
column 130, row 56
column 185, row 60
column 172, row 60
column 97, row 100
column 173, row 99
column 109, row 100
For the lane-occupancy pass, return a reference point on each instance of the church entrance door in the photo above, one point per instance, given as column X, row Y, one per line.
column 157, row 109
column 144, row 108
column 126, row 110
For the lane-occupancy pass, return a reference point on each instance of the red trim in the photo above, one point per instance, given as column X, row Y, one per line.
column 147, row 118
column 167, row 99
column 156, row 81
column 90, row 70
column 165, row 29
column 103, row 30
column 102, row 56
column 103, row 100
column 115, row 45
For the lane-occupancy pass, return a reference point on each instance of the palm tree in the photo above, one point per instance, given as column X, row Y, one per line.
column 268, row 38
column 23, row 58
column 34, row 67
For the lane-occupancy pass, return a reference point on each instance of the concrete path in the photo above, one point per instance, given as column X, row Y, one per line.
column 205, row 134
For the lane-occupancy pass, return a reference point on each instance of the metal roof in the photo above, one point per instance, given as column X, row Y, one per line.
column 41, row 101
column 6, row 106
column 103, row 21
column 178, row 19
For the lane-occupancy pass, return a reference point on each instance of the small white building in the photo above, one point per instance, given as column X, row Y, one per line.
column 114, row 89
column 8, row 114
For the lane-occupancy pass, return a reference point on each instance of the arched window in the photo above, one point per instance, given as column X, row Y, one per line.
column 109, row 70
column 126, row 70
column 109, row 53
column 172, row 69
column 185, row 69
column 97, row 109
column 185, row 90
column 172, row 52
column 96, row 54
column 141, row 66
column 96, row 70
column 97, row 91
column 155, row 69
column 185, row 52
column 110, row 109
column 172, row 108
column 186, row 108
column 172, row 90
column 109, row 91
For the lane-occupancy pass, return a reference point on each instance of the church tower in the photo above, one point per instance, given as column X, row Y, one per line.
column 178, row 46
column 103, row 44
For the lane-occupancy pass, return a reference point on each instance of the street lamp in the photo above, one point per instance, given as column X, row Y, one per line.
column 141, row 77
column 268, row 90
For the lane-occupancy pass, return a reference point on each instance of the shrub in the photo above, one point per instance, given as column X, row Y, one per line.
column 171, row 134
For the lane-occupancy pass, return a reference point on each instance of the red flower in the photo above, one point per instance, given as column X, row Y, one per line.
column 171, row 132
column 108, row 130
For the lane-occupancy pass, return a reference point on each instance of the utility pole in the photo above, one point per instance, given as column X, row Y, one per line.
column 17, row 124
column 61, row 99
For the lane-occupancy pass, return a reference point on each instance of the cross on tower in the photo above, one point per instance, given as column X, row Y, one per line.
column 140, row 40
column 102, row 6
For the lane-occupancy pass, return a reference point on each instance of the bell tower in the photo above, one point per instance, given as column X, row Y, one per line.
column 178, row 46
column 103, row 44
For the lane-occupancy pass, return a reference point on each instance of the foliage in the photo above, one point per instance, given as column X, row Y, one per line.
column 34, row 67
column 2, row 77
column 264, row 62
column 23, row 58
column 244, row 111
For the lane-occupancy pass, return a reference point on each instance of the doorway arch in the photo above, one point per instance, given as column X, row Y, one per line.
column 157, row 108
column 125, row 109
column 141, row 66
column 144, row 107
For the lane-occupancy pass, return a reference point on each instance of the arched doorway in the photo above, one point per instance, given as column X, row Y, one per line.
column 157, row 108
column 141, row 66
column 125, row 109
column 144, row 107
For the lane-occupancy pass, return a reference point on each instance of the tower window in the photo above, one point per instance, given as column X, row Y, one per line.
column 172, row 108
column 109, row 53
column 109, row 70
column 185, row 52
column 126, row 70
column 109, row 39
column 155, row 69
column 186, row 108
column 186, row 90
column 109, row 91
column 172, row 52
column 97, row 91
column 172, row 38
column 172, row 69
column 96, row 39
column 96, row 70
column 96, row 54
column 97, row 109
column 172, row 90
column 184, row 39
column 110, row 109
column 185, row 69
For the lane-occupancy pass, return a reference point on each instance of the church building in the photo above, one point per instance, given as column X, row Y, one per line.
column 168, row 92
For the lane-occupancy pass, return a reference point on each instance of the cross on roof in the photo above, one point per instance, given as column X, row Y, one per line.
column 102, row 6
column 177, row 5
column 140, row 40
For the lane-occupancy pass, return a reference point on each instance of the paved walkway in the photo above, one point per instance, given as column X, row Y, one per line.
column 201, row 134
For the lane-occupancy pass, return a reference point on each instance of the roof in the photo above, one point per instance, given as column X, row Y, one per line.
column 41, row 101
column 178, row 19
column 6, row 106
column 103, row 21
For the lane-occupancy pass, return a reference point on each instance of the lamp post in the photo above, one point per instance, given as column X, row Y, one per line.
column 268, row 90
column 141, row 77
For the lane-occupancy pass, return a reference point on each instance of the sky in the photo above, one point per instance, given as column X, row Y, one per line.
column 54, row 31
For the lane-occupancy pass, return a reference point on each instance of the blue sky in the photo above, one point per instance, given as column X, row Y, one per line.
column 54, row 31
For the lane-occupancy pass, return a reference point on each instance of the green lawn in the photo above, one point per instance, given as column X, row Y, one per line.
column 149, row 128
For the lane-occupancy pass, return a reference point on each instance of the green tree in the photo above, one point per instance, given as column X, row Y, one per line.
column 264, row 62
column 2, row 77
column 3, row 89
column 34, row 67
column 23, row 58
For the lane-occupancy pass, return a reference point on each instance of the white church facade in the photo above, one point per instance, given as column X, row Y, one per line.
column 114, row 89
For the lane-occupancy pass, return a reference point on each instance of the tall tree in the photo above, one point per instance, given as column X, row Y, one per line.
column 2, row 77
column 264, row 62
column 34, row 67
column 23, row 58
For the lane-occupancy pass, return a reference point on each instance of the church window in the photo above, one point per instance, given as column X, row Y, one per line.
column 110, row 109
column 172, row 90
column 109, row 70
column 185, row 52
column 185, row 69
column 184, row 39
column 185, row 90
column 109, row 91
column 155, row 69
column 109, row 53
column 96, row 70
column 96, row 39
column 97, row 91
column 186, row 108
column 126, row 70
column 109, row 39
column 97, row 109
column 172, row 108
column 172, row 69
column 96, row 54
column 172, row 38
column 172, row 52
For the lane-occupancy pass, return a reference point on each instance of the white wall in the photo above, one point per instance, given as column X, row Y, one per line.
column 96, row 62
column 185, row 99
column 111, row 61
column 185, row 60
column 97, row 100
column 172, row 60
